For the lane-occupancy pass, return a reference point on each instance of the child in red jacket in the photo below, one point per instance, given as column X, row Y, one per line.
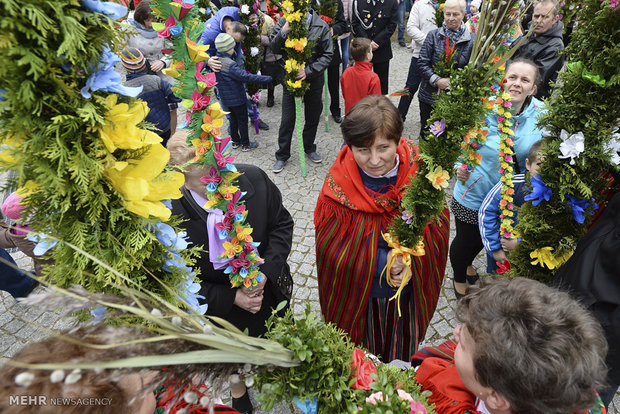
column 359, row 80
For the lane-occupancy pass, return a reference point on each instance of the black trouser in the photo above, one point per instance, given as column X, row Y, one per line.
column 333, row 83
column 165, row 136
column 464, row 248
column 382, row 69
column 313, row 107
column 413, row 83
column 239, row 124
column 276, row 71
column 425, row 114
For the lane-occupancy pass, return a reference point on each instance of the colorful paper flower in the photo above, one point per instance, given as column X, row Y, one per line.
column 578, row 207
column 105, row 78
column 438, row 127
column 121, row 130
column 212, row 180
column 180, row 8
column 544, row 257
column 438, row 178
column 197, row 53
column 245, row 9
column 571, row 146
column 168, row 28
column 143, row 184
column 539, row 192
column 200, row 101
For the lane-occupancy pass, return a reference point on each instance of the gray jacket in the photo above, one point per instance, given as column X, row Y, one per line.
column 318, row 35
column 544, row 51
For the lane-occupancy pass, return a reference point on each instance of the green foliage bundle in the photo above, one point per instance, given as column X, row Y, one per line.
column 587, row 101
column 325, row 372
column 251, row 43
column 48, row 49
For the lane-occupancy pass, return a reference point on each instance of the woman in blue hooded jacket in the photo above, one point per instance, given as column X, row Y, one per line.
column 472, row 187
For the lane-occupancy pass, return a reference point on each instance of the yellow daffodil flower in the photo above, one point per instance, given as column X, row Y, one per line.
column 121, row 125
column 296, row 84
column 27, row 189
column 293, row 17
column 143, row 184
column 544, row 257
column 10, row 153
column 292, row 66
column 197, row 53
column 438, row 178
column 287, row 5
column 297, row 44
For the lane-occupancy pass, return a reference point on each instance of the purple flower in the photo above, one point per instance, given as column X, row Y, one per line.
column 539, row 192
column 407, row 218
column 579, row 206
column 438, row 127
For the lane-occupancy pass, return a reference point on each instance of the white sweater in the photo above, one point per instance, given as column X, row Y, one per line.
column 421, row 21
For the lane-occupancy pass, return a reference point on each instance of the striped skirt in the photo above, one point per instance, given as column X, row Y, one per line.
column 387, row 335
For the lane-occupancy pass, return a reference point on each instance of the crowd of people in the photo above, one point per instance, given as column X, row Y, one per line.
column 557, row 345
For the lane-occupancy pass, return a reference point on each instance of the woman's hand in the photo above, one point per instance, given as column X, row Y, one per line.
column 397, row 270
column 462, row 174
column 251, row 300
column 214, row 63
column 157, row 66
column 443, row 83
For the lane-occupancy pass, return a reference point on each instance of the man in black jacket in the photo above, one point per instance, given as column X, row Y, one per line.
column 376, row 20
column 545, row 45
column 318, row 35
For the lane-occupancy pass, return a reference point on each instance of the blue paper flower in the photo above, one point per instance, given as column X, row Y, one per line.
column 98, row 314
column 188, row 290
column 105, row 78
column 113, row 10
column 42, row 243
column 307, row 405
column 170, row 238
column 579, row 206
column 539, row 192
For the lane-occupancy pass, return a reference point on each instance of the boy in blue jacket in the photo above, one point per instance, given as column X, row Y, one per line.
column 489, row 213
column 157, row 93
column 230, row 85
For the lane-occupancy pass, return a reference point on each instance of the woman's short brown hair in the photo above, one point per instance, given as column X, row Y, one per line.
column 143, row 12
column 372, row 115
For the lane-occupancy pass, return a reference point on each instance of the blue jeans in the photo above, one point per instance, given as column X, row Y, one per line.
column 402, row 8
column 344, row 47
column 13, row 281
column 413, row 83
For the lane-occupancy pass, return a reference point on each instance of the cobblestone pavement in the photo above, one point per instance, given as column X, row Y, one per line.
column 299, row 196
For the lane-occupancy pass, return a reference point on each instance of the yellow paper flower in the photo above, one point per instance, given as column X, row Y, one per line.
column 296, row 84
column 297, row 44
column 292, row 66
column 544, row 257
column 293, row 17
column 243, row 233
column 121, row 126
column 27, row 189
column 197, row 53
column 232, row 249
column 143, row 184
column 10, row 153
column 287, row 5
column 438, row 178
column 173, row 70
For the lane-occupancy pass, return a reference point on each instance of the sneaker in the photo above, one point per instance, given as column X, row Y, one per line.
column 262, row 125
column 402, row 44
column 252, row 145
column 337, row 118
column 270, row 102
column 314, row 157
column 278, row 166
column 236, row 145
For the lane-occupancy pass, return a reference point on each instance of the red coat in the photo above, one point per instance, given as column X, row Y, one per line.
column 357, row 82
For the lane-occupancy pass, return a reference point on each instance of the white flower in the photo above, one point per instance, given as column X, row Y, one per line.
column 572, row 146
column 254, row 51
column 249, row 381
column 204, row 401
column 207, row 329
column 190, row 397
column 234, row 379
column 24, row 379
column 176, row 320
column 245, row 9
column 247, row 367
column 156, row 312
column 613, row 147
column 57, row 376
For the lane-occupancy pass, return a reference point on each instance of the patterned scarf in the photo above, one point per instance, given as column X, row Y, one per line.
column 454, row 35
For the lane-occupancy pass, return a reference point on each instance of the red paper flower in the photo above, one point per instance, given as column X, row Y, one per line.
column 362, row 369
column 503, row 267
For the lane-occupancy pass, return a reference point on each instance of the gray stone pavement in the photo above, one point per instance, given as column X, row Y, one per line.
column 299, row 197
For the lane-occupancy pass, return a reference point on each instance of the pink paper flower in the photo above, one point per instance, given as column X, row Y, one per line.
column 418, row 408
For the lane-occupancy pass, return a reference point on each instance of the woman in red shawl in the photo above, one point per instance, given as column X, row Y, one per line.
column 361, row 195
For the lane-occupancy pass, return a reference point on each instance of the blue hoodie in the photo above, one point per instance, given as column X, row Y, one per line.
column 486, row 175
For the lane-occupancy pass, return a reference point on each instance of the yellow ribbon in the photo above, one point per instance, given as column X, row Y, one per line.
column 406, row 253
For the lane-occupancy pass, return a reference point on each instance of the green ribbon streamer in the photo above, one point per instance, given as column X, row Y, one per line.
column 578, row 69
column 326, row 105
column 299, row 126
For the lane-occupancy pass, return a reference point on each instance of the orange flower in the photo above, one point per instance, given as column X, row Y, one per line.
column 247, row 282
column 503, row 202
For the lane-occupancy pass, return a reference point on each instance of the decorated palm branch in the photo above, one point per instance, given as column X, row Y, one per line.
column 327, row 10
column 456, row 121
column 298, row 50
column 581, row 143
column 90, row 171
column 205, row 118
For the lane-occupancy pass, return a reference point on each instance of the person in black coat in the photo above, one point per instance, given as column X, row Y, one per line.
column 272, row 226
column 377, row 20
column 591, row 275
column 333, row 70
